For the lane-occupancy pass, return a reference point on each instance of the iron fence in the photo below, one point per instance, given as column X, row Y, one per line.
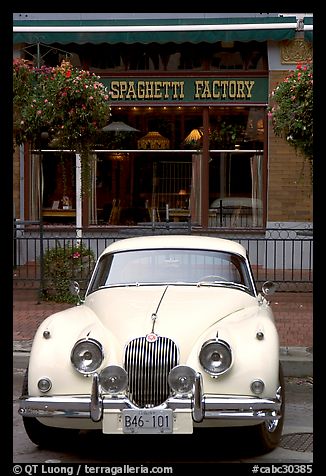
column 282, row 255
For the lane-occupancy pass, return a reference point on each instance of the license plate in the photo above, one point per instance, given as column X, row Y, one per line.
column 147, row 421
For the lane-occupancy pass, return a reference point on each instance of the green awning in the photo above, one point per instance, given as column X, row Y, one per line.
column 154, row 31
column 308, row 33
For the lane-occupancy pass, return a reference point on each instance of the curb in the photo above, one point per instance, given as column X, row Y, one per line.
column 296, row 361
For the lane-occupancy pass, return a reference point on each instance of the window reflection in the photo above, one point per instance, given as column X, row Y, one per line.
column 168, row 266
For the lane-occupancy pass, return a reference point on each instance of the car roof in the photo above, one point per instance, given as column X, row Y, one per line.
column 177, row 242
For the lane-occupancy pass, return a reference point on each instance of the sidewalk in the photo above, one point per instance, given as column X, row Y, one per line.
column 293, row 317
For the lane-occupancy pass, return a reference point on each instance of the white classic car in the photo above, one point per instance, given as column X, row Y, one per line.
column 171, row 336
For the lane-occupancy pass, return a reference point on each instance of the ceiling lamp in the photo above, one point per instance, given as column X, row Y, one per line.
column 118, row 156
column 194, row 137
column 153, row 140
column 119, row 126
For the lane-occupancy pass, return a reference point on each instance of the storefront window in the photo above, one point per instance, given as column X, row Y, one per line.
column 154, row 172
column 59, row 187
column 136, row 181
column 236, row 198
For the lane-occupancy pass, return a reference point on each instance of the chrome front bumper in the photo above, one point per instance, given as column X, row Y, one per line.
column 202, row 406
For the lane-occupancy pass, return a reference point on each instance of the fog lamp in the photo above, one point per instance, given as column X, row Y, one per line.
column 44, row 384
column 113, row 379
column 257, row 387
column 181, row 379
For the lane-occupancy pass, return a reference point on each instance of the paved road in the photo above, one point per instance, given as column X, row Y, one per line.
column 96, row 448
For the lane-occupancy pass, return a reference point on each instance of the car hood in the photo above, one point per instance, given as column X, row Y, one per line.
column 182, row 313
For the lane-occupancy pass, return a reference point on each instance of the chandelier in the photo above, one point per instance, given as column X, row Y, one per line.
column 153, row 140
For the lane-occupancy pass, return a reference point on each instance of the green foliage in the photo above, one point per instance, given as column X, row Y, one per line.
column 63, row 265
column 226, row 134
column 117, row 140
column 291, row 109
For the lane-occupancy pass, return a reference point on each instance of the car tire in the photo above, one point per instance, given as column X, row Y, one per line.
column 266, row 436
column 42, row 435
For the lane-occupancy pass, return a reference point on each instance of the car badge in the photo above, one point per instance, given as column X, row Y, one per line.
column 151, row 337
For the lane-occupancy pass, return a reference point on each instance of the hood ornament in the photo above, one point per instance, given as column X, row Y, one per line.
column 152, row 337
column 154, row 315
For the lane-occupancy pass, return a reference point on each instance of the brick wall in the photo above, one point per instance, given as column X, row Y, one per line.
column 289, row 196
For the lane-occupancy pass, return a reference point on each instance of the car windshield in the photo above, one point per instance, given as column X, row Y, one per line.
column 171, row 266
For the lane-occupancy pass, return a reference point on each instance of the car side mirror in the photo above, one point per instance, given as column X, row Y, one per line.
column 268, row 288
column 74, row 289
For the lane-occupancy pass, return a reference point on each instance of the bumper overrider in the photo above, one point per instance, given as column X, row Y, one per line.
column 200, row 406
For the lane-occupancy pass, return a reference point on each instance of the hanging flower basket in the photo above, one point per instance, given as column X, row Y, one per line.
column 291, row 109
column 71, row 105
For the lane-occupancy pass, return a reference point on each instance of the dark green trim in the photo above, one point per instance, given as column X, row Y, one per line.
column 158, row 22
column 145, row 37
column 308, row 35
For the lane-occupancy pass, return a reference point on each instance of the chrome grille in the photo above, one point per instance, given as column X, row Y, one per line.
column 148, row 365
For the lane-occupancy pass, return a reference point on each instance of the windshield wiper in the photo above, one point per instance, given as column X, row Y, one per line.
column 131, row 283
column 230, row 284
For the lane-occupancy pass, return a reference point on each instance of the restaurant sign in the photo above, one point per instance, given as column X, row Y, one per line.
column 187, row 90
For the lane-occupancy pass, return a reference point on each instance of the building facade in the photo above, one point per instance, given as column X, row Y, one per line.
column 189, row 138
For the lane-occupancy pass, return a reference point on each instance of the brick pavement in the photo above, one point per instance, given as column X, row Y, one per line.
column 293, row 317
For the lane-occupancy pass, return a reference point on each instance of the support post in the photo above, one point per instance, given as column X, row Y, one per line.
column 79, row 213
column 205, row 170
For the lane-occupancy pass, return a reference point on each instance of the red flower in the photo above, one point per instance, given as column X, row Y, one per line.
column 68, row 73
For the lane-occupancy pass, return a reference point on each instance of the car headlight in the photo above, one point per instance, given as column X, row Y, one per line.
column 87, row 355
column 181, row 379
column 215, row 357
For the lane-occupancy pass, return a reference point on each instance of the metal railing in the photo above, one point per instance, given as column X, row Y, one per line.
column 284, row 256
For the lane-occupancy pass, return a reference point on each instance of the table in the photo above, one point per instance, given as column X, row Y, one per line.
column 58, row 212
